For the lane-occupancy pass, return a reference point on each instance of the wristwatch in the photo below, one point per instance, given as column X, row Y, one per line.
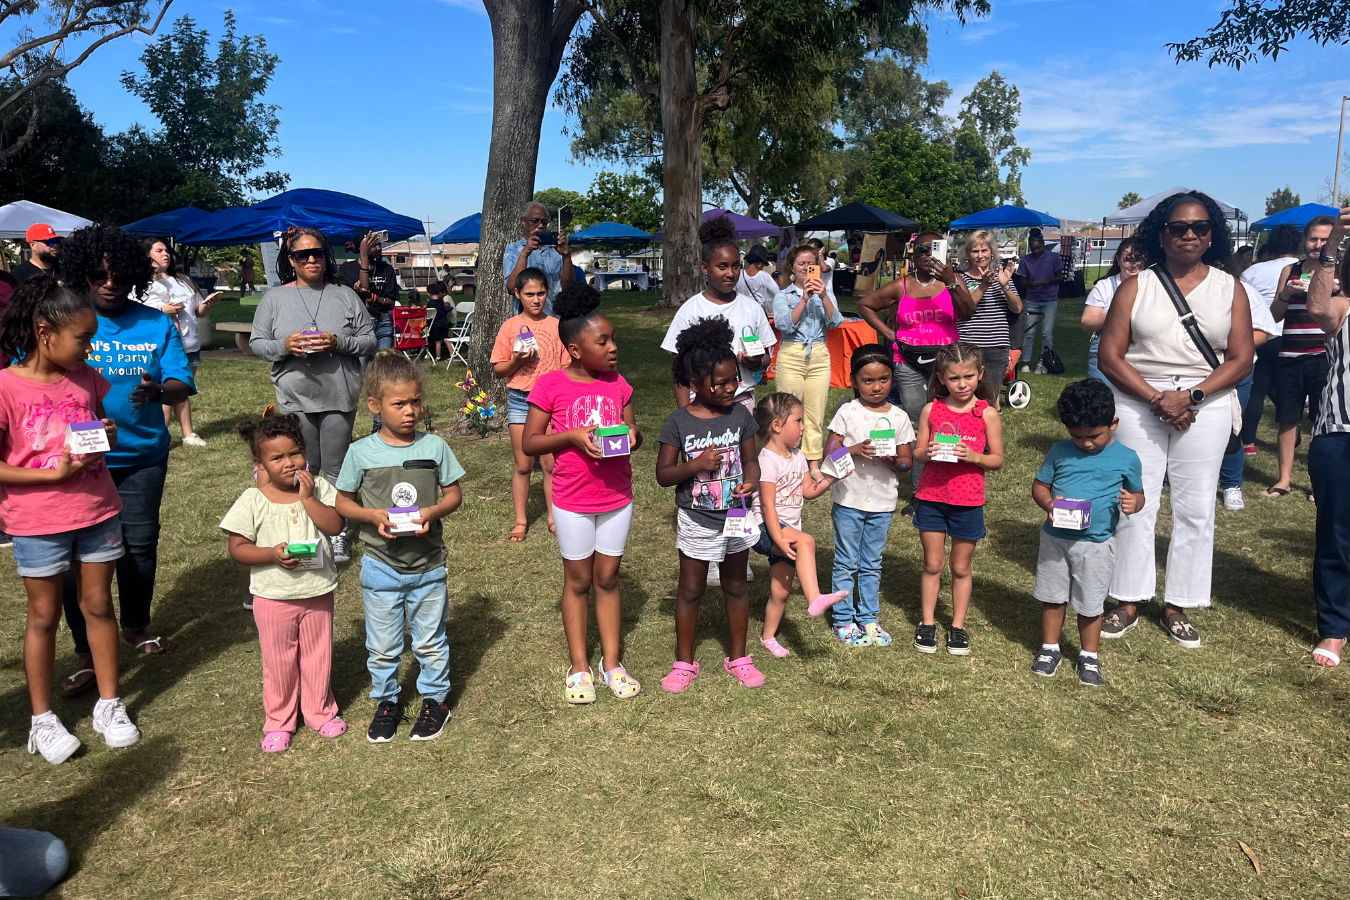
column 1197, row 396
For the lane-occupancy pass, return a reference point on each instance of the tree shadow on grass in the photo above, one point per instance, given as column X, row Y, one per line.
column 901, row 580
column 122, row 778
column 220, row 427
column 1016, row 541
column 1015, row 613
column 1241, row 583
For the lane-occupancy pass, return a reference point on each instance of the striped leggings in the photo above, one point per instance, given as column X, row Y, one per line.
column 296, row 637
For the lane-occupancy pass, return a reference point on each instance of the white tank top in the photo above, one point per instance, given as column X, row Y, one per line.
column 1159, row 345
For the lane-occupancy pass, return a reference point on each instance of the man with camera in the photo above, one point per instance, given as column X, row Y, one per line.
column 540, row 249
column 375, row 282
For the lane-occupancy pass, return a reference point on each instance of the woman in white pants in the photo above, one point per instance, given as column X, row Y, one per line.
column 1175, row 411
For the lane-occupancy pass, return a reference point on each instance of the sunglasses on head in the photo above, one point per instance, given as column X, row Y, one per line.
column 304, row 256
column 1179, row 229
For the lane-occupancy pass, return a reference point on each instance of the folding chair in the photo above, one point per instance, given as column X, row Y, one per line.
column 410, row 327
column 459, row 333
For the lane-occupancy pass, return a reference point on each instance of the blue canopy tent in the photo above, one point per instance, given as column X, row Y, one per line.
column 1299, row 216
column 166, row 224
column 465, row 231
column 1005, row 217
column 339, row 216
column 610, row 233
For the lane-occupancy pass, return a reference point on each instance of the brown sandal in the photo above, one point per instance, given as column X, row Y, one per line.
column 518, row 533
column 82, row 679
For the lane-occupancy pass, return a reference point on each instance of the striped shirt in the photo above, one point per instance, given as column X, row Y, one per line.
column 989, row 326
column 1335, row 412
column 1302, row 337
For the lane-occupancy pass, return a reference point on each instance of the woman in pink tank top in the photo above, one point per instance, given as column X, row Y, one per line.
column 917, row 315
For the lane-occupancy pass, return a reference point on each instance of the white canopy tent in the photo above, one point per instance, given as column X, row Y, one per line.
column 17, row 216
column 1133, row 215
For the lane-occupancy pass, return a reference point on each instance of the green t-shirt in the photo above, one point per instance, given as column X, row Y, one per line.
column 385, row 476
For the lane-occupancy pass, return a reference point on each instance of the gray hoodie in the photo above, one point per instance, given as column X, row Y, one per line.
column 320, row 382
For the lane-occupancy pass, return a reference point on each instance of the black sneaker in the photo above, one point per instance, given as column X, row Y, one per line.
column 385, row 724
column 958, row 642
column 6, row 540
column 1090, row 671
column 430, row 721
column 1047, row 663
column 925, row 639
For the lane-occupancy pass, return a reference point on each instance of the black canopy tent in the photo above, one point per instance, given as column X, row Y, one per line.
column 857, row 216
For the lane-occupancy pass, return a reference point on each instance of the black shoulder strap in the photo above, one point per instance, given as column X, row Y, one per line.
column 1184, row 311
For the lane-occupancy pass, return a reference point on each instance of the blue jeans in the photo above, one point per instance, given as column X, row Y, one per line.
column 394, row 602
column 1093, row 371
column 142, row 490
column 1328, row 459
column 31, row 862
column 1230, row 473
column 1042, row 315
column 384, row 336
column 859, row 538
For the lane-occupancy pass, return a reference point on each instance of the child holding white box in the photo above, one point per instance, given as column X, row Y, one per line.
column 279, row 529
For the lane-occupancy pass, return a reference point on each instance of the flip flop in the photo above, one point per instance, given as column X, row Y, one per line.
column 81, row 680
column 1274, row 492
column 154, row 645
column 1333, row 658
column 517, row 534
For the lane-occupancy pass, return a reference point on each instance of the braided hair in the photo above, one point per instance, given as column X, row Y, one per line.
column 286, row 268
column 700, row 348
column 960, row 353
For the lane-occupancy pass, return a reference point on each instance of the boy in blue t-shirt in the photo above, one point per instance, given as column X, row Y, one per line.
column 1083, row 486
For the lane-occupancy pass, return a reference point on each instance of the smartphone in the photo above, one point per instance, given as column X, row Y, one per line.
column 382, row 236
column 940, row 250
column 812, row 272
column 548, row 238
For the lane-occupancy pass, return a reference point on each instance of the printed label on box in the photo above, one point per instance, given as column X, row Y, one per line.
column 87, row 437
column 613, row 440
column 751, row 342
column 401, row 520
column 839, row 463
column 883, row 439
column 1071, row 515
column 525, row 341
column 946, row 451
column 740, row 523
column 309, row 553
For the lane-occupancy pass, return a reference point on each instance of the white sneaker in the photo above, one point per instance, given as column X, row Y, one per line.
column 50, row 738
column 1040, row 369
column 1232, row 498
column 714, row 575
column 749, row 572
column 248, row 604
column 1026, row 368
column 111, row 721
column 194, row 440
column 341, row 552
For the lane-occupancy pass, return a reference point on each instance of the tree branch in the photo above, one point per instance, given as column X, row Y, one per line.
column 640, row 84
column 718, row 95
column 12, row 150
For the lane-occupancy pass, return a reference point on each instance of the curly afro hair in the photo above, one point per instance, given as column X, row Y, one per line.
column 715, row 234
column 576, row 306
column 104, row 248
column 1148, row 237
column 286, row 268
column 1086, row 404
column 700, row 348
column 257, row 432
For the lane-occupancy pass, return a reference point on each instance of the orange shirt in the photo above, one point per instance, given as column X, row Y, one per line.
column 552, row 355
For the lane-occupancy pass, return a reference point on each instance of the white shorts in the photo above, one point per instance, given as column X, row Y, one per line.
column 582, row 535
column 708, row 544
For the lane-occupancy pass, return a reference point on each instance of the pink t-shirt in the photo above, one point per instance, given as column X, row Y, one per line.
column 788, row 475
column 582, row 484
column 33, row 418
column 925, row 322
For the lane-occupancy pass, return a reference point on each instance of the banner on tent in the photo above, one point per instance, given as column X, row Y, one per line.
column 877, row 250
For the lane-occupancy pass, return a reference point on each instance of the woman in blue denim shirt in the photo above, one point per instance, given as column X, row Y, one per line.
column 801, row 313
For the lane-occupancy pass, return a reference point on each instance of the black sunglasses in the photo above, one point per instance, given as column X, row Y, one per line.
column 101, row 277
column 923, row 249
column 1179, row 229
column 304, row 256
column 53, row 242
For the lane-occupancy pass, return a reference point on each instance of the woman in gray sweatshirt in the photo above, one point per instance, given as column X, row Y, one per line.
column 314, row 331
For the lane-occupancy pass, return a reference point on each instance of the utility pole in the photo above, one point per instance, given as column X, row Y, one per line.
column 1336, row 198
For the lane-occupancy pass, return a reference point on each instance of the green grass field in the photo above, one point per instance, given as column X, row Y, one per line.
column 852, row 773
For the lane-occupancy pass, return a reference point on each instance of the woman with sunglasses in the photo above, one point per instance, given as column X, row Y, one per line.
column 1125, row 264
column 314, row 330
column 1175, row 410
column 139, row 351
column 919, row 315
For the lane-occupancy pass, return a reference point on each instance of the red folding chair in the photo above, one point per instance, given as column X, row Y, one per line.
column 410, row 331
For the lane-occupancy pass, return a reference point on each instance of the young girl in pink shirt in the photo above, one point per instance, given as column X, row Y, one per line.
column 961, row 435
column 60, row 506
column 592, row 489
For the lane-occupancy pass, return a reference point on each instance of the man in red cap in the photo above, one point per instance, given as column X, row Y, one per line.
column 44, row 242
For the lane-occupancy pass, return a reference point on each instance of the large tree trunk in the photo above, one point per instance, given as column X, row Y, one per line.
column 682, row 146
column 528, row 39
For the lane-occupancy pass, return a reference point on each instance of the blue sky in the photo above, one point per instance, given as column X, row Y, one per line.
column 394, row 102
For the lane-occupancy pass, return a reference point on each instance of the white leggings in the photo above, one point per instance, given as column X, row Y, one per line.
column 1190, row 459
column 582, row 535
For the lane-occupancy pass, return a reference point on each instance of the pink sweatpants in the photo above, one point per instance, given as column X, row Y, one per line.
column 297, row 652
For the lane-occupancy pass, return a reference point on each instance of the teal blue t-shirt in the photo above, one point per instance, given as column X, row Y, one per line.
column 1078, row 475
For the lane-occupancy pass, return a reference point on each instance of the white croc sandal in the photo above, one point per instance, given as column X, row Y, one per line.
column 579, row 689
column 618, row 680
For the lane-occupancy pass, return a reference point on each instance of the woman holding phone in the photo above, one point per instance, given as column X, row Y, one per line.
column 802, row 312
column 314, row 331
column 990, row 284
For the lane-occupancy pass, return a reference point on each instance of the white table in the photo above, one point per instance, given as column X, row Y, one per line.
column 604, row 279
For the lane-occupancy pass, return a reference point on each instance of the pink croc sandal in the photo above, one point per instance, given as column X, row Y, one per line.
column 680, row 675
column 744, row 671
column 276, row 742
column 334, row 727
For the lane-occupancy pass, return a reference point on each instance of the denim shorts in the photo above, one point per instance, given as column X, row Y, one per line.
column 517, row 406
column 194, row 358
column 965, row 523
column 45, row 555
column 764, row 547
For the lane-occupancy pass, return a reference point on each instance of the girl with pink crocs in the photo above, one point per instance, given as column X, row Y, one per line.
column 279, row 528
column 783, row 488
column 708, row 455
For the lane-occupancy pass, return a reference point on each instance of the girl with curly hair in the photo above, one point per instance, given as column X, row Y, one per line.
column 1177, row 408
column 139, row 351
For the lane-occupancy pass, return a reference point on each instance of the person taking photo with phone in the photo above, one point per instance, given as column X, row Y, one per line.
column 540, row 249
column 375, row 282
